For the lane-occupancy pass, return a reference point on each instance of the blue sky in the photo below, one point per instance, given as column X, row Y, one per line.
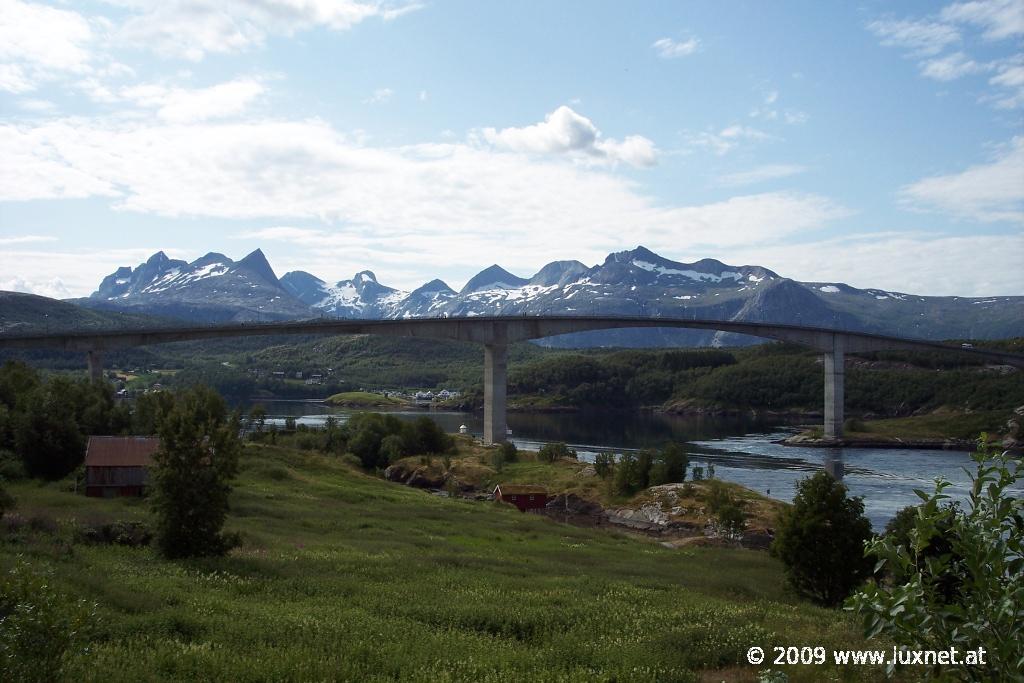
column 879, row 144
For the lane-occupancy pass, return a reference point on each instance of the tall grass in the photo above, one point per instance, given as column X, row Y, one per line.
column 346, row 577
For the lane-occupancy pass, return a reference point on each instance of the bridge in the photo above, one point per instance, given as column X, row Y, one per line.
column 495, row 333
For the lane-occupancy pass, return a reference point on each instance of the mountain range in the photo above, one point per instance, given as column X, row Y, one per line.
column 215, row 288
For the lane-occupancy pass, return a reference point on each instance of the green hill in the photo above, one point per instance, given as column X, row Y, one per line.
column 343, row 576
column 25, row 313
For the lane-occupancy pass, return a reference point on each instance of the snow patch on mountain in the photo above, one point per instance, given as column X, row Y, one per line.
column 691, row 274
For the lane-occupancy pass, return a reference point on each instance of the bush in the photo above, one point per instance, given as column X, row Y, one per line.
column 628, row 475
column 984, row 561
column 131, row 534
column 191, row 482
column 509, row 451
column 6, row 500
column 604, row 464
column 550, row 452
column 731, row 518
column 505, row 453
column 39, row 626
column 853, row 424
column 820, row 540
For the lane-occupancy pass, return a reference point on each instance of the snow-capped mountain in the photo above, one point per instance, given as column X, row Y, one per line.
column 210, row 288
column 635, row 282
column 360, row 297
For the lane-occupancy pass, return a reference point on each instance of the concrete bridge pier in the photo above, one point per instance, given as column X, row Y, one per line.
column 834, row 374
column 95, row 360
column 495, row 388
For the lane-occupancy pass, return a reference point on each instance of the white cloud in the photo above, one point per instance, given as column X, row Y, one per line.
column 921, row 37
column 1000, row 19
column 181, row 105
column 727, row 139
column 37, row 106
column 670, row 49
column 760, row 174
column 975, row 265
column 986, row 192
column 563, row 131
column 191, row 29
column 950, row 67
column 424, row 96
column 25, row 239
column 38, row 42
column 928, row 39
column 54, row 288
column 1010, row 81
column 425, row 204
column 64, row 274
column 380, row 96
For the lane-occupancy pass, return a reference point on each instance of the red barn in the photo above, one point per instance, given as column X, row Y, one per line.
column 118, row 465
column 524, row 496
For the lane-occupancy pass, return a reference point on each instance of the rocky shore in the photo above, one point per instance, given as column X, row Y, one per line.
column 663, row 514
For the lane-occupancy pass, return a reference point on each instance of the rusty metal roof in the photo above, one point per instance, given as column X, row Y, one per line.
column 121, row 451
column 519, row 489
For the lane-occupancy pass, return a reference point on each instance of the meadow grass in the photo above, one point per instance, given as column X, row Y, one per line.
column 342, row 576
column 363, row 399
column 938, row 425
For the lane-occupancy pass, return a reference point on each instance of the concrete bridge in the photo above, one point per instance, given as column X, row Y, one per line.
column 496, row 333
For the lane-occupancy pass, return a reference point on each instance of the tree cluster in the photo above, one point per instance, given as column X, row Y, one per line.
column 46, row 421
column 637, row 471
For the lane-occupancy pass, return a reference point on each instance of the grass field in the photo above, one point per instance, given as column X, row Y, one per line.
column 362, row 399
column 343, row 576
column 941, row 425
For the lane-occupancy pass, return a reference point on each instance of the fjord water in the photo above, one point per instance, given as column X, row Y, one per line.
column 741, row 449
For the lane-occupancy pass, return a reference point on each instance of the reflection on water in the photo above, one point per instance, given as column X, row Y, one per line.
column 742, row 450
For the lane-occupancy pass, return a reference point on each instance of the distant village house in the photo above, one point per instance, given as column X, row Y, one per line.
column 118, row 465
column 526, row 497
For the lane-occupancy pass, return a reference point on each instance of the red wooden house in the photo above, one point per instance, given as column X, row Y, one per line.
column 118, row 465
column 526, row 497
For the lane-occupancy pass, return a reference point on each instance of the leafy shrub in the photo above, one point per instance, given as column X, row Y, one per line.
column 550, row 452
column 731, row 518
column 984, row 561
column 853, row 424
column 509, row 451
column 132, row 534
column 820, row 540
column 38, row 626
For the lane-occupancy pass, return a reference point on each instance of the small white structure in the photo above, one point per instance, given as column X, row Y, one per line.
column 463, row 429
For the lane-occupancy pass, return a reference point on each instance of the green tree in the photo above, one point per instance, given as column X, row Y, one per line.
column 676, row 461
column 6, row 500
column 628, row 475
column 550, row 452
column 820, row 540
column 731, row 518
column 509, row 451
column 604, row 463
column 191, row 482
column 46, row 432
column 149, row 410
column 985, row 561
column 424, row 435
column 392, row 448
